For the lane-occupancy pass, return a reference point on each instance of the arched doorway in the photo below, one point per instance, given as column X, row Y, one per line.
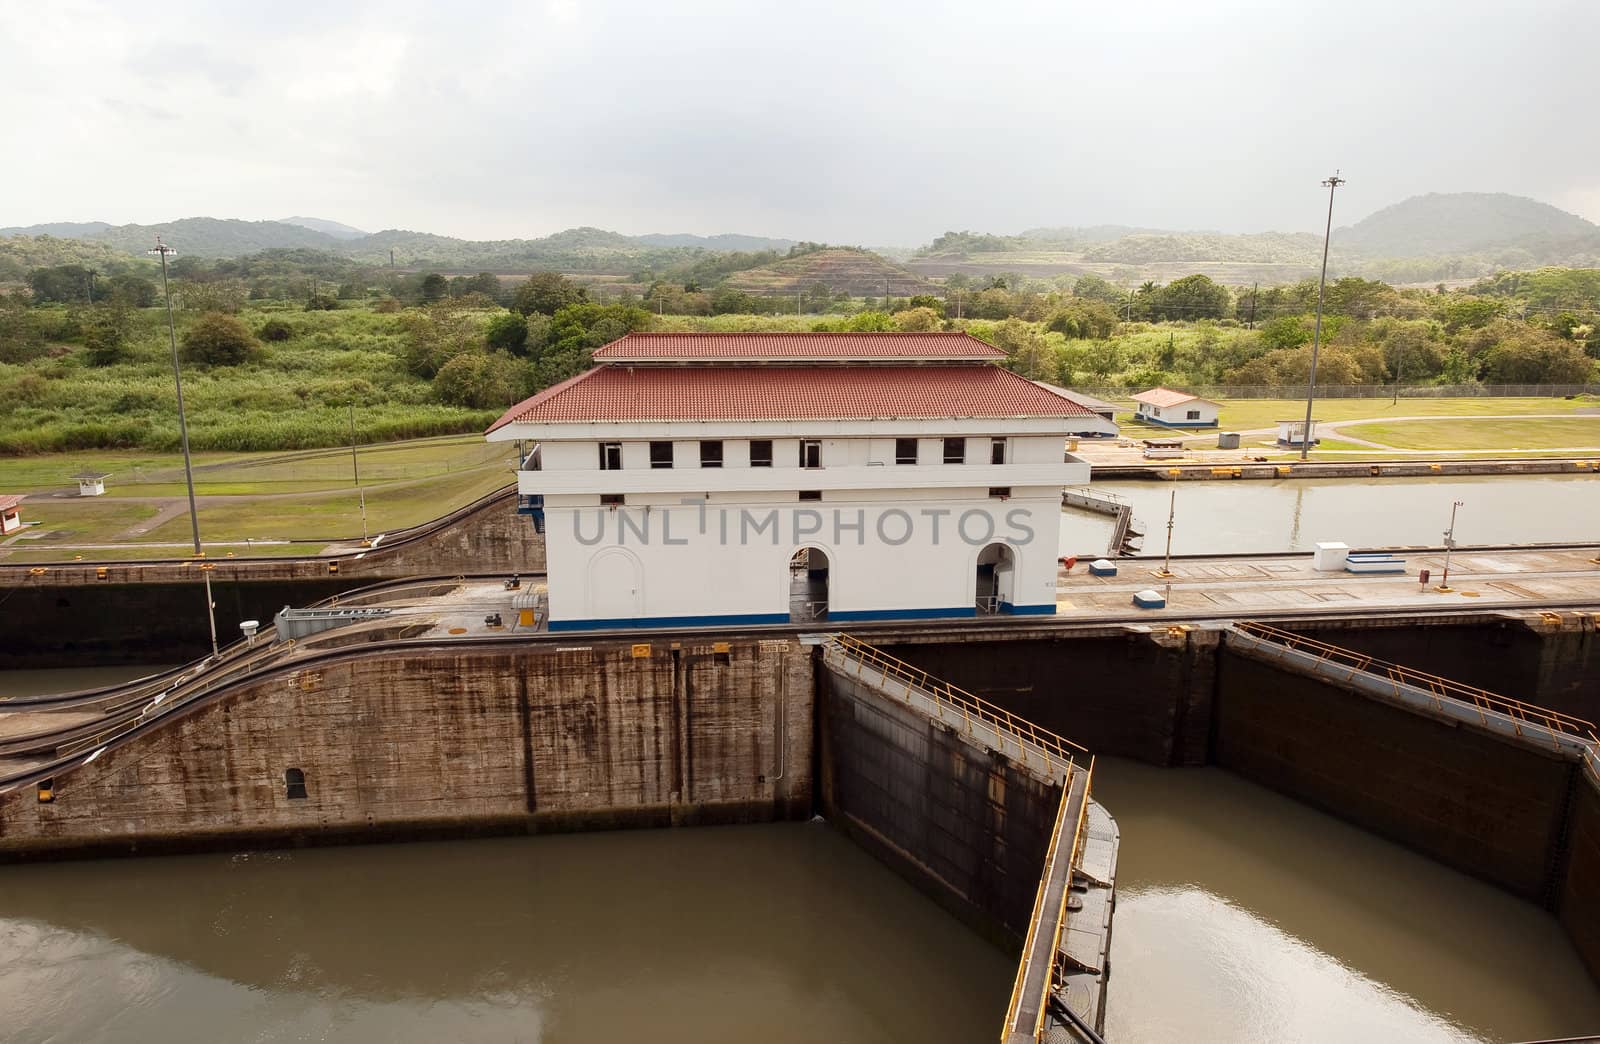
column 808, row 585
column 615, row 585
column 996, row 572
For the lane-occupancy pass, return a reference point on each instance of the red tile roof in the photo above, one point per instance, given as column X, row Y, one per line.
column 707, row 393
column 778, row 347
column 1165, row 397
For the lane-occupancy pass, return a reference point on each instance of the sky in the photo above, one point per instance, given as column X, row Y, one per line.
column 878, row 124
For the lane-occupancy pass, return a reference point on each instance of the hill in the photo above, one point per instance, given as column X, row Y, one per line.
column 332, row 228
column 59, row 229
column 1462, row 223
column 214, row 237
column 859, row 273
column 728, row 242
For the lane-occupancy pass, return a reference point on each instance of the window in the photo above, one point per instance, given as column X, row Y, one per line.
column 811, row 494
column 905, row 451
column 1155, row 411
column 294, row 784
column 955, row 451
column 1194, row 415
column 810, row 453
column 997, row 451
column 711, row 453
column 611, row 456
column 761, row 453
column 612, row 500
column 1003, row 492
column 661, row 454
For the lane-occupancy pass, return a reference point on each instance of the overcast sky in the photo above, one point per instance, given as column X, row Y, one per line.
column 855, row 122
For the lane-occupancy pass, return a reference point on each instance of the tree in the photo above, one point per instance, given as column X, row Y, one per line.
column 546, row 293
column 1192, row 297
column 1535, row 356
column 322, row 303
column 917, row 320
column 136, row 291
column 507, row 332
column 218, row 339
column 479, row 381
column 105, row 333
column 1468, row 313
column 928, row 301
column 1095, row 288
column 1025, row 347
column 434, row 287
column 64, row 283
column 1288, row 331
column 577, row 330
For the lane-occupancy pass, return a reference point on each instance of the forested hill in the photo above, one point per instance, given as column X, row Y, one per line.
column 575, row 249
column 1462, row 223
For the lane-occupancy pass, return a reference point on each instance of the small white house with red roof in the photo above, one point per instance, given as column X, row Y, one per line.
column 11, row 512
column 1175, row 409
column 716, row 479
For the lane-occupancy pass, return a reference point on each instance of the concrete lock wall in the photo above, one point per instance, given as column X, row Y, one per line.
column 963, row 824
column 1579, row 907
column 1131, row 692
column 448, row 742
column 155, row 612
column 1476, row 802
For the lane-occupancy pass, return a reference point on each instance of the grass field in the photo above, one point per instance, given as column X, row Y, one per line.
column 302, row 496
column 1248, row 414
column 158, row 475
column 1502, row 435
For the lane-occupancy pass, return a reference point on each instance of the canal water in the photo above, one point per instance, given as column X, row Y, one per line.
column 1227, row 516
column 1242, row 917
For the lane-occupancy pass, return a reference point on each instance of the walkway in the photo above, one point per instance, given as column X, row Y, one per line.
column 1531, row 578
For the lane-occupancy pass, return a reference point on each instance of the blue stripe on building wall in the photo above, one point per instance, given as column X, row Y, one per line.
column 1178, row 424
column 747, row 619
column 625, row 623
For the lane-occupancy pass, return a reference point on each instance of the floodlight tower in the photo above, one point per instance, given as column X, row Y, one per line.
column 1316, row 337
column 162, row 250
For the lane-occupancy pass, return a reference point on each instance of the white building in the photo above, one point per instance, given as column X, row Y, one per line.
column 11, row 512
column 1292, row 433
column 713, row 479
column 1175, row 409
column 91, row 483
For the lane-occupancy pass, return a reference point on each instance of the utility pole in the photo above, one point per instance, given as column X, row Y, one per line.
column 1331, row 183
column 1449, row 545
column 183, row 429
column 1172, row 515
column 1255, row 289
column 1129, row 318
column 355, row 470
column 88, row 278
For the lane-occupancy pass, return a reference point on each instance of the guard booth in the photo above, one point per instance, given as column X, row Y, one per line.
column 1292, row 433
column 92, row 483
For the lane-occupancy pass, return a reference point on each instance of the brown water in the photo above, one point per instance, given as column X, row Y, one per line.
column 1242, row 917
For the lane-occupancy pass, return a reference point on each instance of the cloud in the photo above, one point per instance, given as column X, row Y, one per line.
column 881, row 123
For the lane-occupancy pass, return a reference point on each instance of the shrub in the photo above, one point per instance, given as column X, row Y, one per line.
column 275, row 330
column 507, row 332
column 218, row 339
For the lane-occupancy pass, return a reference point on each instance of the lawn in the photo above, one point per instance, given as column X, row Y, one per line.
column 136, row 474
column 1248, row 414
column 1499, row 435
column 77, row 520
column 335, row 516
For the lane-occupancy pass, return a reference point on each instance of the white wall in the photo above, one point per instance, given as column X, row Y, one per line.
column 650, row 560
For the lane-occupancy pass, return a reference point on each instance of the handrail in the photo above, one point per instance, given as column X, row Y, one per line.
column 959, row 700
column 1438, row 688
column 1053, row 853
column 1033, row 922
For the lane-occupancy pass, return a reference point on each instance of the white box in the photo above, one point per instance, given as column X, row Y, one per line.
column 1330, row 557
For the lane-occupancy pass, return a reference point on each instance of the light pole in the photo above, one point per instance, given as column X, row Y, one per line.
column 1449, row 545
column 163, row 250
column 1316, row 337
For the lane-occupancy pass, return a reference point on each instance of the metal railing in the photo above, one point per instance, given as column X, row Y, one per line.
column 1553, row 722
column 988, row 605
column 961, row 702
